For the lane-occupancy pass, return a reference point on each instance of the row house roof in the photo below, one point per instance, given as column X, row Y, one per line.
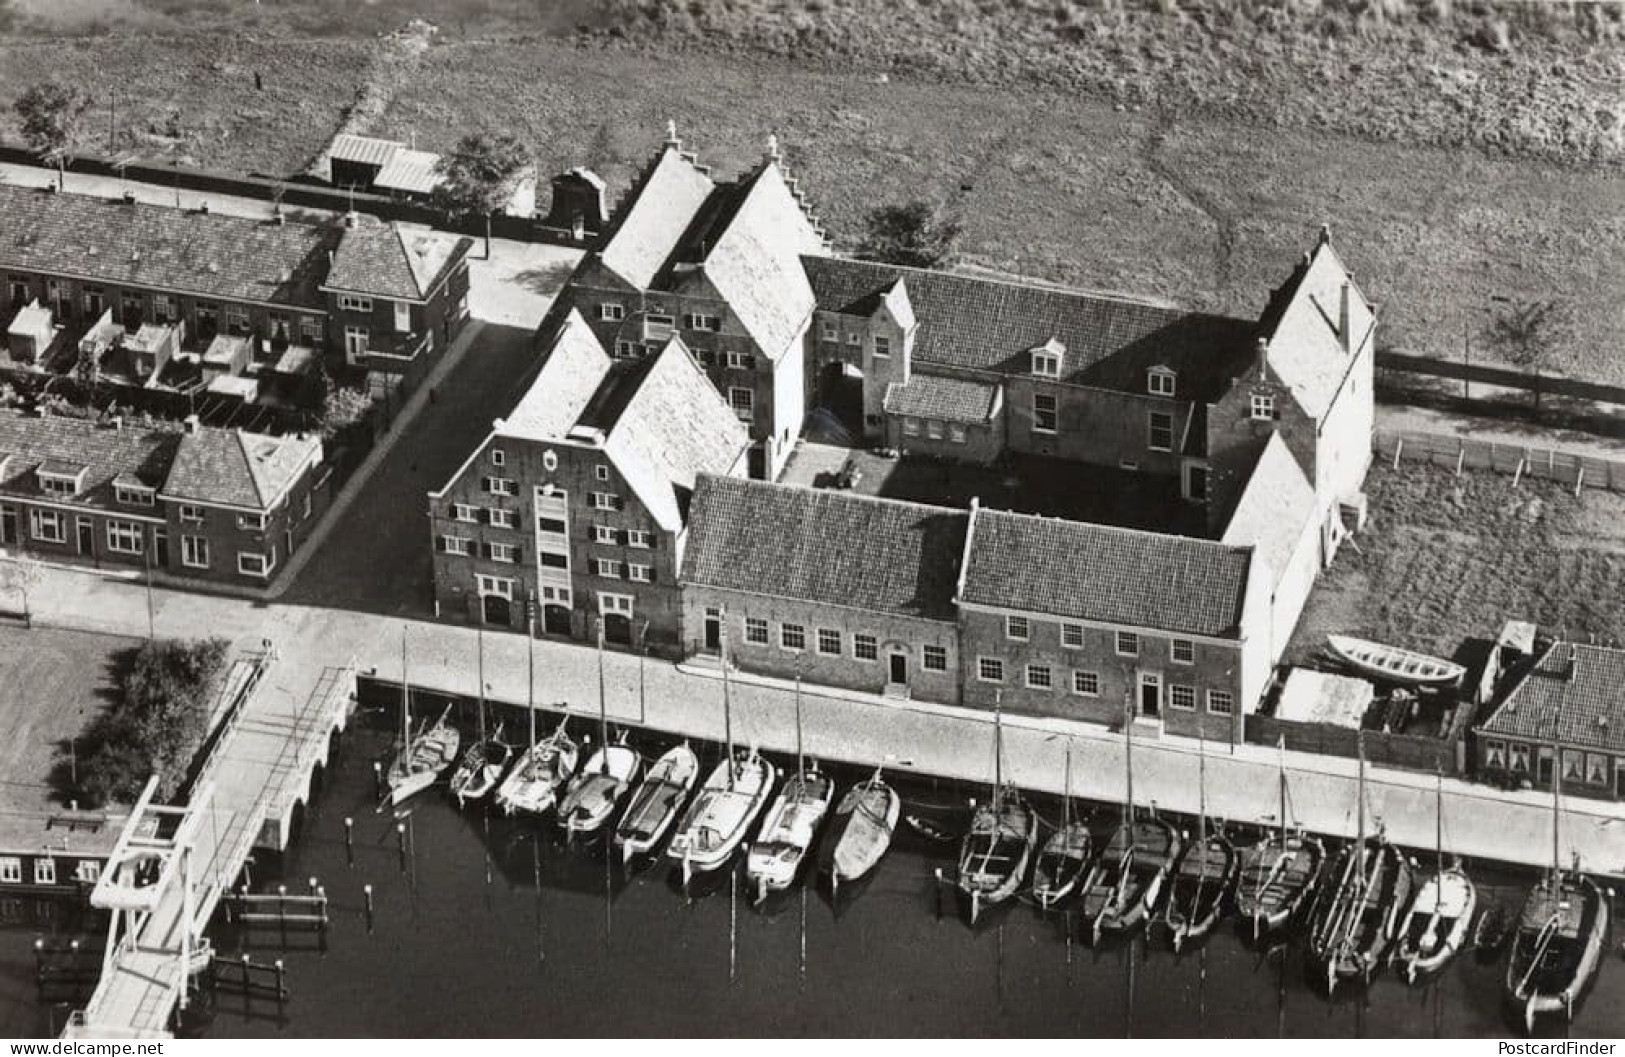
column 824, row 546
column 237, row 468
column 392, row 260
column 1571, row 696
column 942, row 397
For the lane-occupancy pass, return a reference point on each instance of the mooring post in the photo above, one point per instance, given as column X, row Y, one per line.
column 39, row 964
column 400, row 841
column 367, row 891
column 281, row 983
column 938, row 887
column 349, row 840
column 378, row 779
column 321, row 895
column 282, row 912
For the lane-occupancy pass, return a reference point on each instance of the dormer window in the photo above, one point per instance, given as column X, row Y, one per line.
column 1159, row 381
column 1263, row 407
column 658, row 328
column 1047, row 359
column 62, row 481
column 611, row 312
column 133, row 495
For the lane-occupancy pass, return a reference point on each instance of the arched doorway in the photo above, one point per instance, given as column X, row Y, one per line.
column 556, row 619
column 496, row 609
column 617, row 629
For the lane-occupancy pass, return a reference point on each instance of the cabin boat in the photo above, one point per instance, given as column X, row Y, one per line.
column 994, row 855
column 1392, row 663
column 1065, row 856
column 533, row 786
column 596, row 789
column 1435, row 927
column 481, row 768
column 788, row 831
column 1558, row 946
column 1198, row 888
column 715, row 824
column 657, row 802
column 422, row 760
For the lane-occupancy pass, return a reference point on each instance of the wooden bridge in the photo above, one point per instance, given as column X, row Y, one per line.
column 172, row 865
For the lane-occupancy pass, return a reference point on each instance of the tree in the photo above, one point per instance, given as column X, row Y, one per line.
column 479, row 176
column 912, row 234
column 342, row 406
column 50, row 115
column 1531, row 333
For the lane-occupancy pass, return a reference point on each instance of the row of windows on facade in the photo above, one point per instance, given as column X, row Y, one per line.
column 166, row 308
column 831, row 643
column 505, row 587
column 879, row 344
column 661, row 323
column 66, row 486
column 1125, row 643
column 1159, row 424
column 609, row 568
column 1087, row 684
column 11, row 870
column 1590, row 768
column 130, row 538
column 497, row 517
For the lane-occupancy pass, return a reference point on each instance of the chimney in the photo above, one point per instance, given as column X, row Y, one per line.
column 1574, row 656
column 352, row 219
column 772, row 147
column 1263, row 359
column 671, row 134
column 192, row 424
column 1325, row 235
column 1343, row 318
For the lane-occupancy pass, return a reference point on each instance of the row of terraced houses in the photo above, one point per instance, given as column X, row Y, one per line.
column 631, row 491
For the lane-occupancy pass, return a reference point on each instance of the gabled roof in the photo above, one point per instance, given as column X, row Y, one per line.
column 970, row 322
column 1110, row 575
column 941, row 397
column 210, row 254
column 1585, row 710
column 824, row 546
column 366, row 150
column 1275, row 506
column 654, row 216
column 1301, row 322
column 29, row 442
column 236, row 468
column 389, row 260
column 412, row 171
column 574, row 368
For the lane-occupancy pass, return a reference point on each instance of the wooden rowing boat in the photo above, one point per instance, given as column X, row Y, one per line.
column 860, row 833
column 1393, row 664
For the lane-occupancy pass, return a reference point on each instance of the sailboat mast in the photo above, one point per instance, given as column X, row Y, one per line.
column 1280, row 749
column 1438, row 815
column 801, row 763
column 1066, row 799
column 727, row 701
column 406, row 708
column 1201, row 786
column 1128, row 757
column 998, row 744
column 530, row 671
column 603, row 704
column 1359, row 807
column 479, row 638
column 1557, row 806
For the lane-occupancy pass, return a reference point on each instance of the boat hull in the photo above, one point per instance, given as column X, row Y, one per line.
column 788, row 831
column 532, row 787
column 1358, row 916
column 1061, row 865
column 1435, row 928
column 1197, row 890
column 596, row 790
column 994, row 857
column 1123, row 886
column 657, row 802
column 1392, row 664
column 1275, row 882
column 860, row 834
column 1550, row 979
column 721, row 814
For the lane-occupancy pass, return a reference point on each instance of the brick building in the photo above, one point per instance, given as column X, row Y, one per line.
column 838, row 589
column 577, row 500
column 218, row 505
column 1569, row 702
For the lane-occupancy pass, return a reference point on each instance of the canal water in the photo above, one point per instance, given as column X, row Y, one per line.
column 484, row 926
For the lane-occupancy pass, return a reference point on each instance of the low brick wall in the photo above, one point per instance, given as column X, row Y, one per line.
column 1411, row 752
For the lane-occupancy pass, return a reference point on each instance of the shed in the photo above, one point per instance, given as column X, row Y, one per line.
column 30, row 334
column 1324, row 699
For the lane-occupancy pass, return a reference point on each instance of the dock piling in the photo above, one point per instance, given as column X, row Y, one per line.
column 367, row 891
column 349, row 840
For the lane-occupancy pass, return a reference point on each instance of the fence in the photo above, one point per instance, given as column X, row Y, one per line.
column 1411, row 752
column 1545, row 384
column 1520, row 460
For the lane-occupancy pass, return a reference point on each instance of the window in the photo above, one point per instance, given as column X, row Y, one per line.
column 756, row 631
column 58, row 485
column 1573, row 765
column 865, row 648
column 607, row 567
column 792, row 636
column 1596, row 769
column 911, row 427
column 1044, row 413
column 501, row 486
column 351, row 303
column 611, row 311
column 829, row 642
column 1263, row 406
column 600, row 472
column 1039, row 677
column 1017, row 628
column 990, row 669
column 1128, row 644
column 743, row 401
column 550, row 524
column 125, row 537
column 251, row 522
column 553, row 560
column 250, row 563
column 1086, row 683
column 11, row 870
column 1518, row 755
column 502, row 552
column 403, row 318
column 131, row 496
column 493, row 585
column 45, row 871
column 1046, row 363
column 1182, row 698
column 625, row 349
column 605, row 534
column 605, row 501
column 1220, row 702
column 195, row 552
column 47, row 526
column 1072, row 636
column 455, row 545
column 658, row 328
column 191, row 514
column 1160, row 431
column 1182, row 651
column 854, row 338
column 164, row 308
column 502, row 518
column 701, row 321
column 638, row 538
column 706, row 357
column 882, row 347
column 933, row 429
column 1159, row 381
column 498, row 457
column 312, row 330
column 741, row 360
column 934, row 658
column 89, row 871
column 832, row 332
column 464, row 512
column 956, row 433
column 642, row 574
column 310, row 504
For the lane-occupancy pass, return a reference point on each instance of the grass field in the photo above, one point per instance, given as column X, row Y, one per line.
column 1445, row 558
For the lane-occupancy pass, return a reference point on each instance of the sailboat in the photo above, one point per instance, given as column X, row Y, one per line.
column 1278, row 874
column 1356, row 915
column 1122, row 886
column 1065, row 856
column 1561, row 932
column 482, row 765
column 791, row 824
column 597, row 788
column 1201, row 880
column 657, row 802
column 994, row 855
column 860, row 833
column 423, row 756
column 533, row 785
column 1436, row 925
column 731, row 799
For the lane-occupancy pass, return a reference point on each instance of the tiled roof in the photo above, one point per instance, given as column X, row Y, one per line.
column 649, row 223
column 824, row 546
column 389, row 260
column 1100, row 573
column 27, row 442
column 1301, row 322
column 213, row 255
column 574, row 367
column 991, row 324
column 1275, row 506
column 1587, row 710
column 938, row 396
column 236, row 468
column 412, row 171
column 366, row 150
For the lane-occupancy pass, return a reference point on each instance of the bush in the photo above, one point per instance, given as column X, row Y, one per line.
column 158, row 726
column 914, row 235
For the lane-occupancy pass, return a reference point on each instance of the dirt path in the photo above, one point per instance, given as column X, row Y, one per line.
column 394, row 63
column 1224, row 223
